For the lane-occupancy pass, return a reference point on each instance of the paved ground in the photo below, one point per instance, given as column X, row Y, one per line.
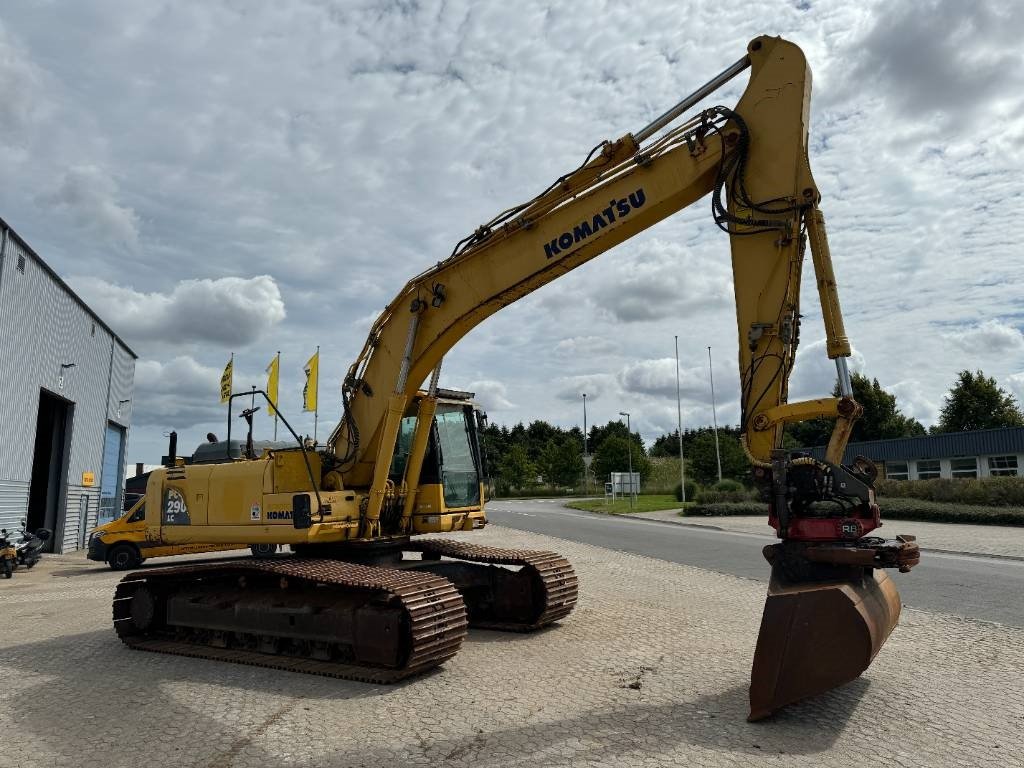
column 972, row 586
column 992, row 540
column 943, row 692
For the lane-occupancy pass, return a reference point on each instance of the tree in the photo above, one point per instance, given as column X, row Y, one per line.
column 977, row 402
column 561, row 461
column 613, row 455
column 703, row 464
column 882, row 420
column 666, row 446
column 516, row 469
column 599, row 434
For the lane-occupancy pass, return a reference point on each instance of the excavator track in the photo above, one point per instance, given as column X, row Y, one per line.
column 553, row 579
column 399, row 623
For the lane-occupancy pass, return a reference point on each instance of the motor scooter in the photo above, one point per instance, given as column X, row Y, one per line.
column 8, row 555
column 30, row 548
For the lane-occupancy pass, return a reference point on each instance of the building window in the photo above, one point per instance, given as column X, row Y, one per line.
column 897, row 470
column 928, row 469
column 1005, row 466
column 112, row 479
column 21, row 263
column 964, row 467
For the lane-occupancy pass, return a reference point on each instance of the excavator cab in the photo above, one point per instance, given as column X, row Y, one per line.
column 448, row 490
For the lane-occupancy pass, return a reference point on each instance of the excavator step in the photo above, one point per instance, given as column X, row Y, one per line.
column 324, row 617
column 541, row 592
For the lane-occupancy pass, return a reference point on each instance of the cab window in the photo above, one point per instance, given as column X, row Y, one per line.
column 139, row 514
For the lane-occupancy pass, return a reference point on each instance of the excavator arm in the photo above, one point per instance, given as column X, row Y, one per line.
column 830, row 604
column 826, row 587
column 754, row 161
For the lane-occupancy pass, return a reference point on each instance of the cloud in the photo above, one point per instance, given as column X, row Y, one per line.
column 90, row 196
column 989, row 337
column 584, row 345
column 596, row 385
column 1015, row 384
column 814, row 374
column 945, row 57
column 658, row 378
column 492, row 395
column 181, row 393
column 337, row 149
column 22, row 88
column 229, row 311
column 663, row 280
column 915, row 399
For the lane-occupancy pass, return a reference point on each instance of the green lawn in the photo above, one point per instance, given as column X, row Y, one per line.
column 641, row 504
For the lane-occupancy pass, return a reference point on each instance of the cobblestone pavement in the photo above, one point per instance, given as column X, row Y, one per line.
column 650, row 670
column 998, row 540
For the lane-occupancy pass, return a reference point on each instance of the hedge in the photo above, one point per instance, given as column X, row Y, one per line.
column 989, row 491
column 892, row 509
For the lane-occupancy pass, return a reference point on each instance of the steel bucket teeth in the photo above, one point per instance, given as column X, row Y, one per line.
column 815, row 637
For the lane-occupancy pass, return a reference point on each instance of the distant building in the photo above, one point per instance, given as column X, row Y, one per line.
column 982, row 453
column 65, row 402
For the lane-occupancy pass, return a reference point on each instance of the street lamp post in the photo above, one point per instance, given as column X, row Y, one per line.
column 629, row 454
column 714, row 417
column 679, row 428
column 586, row 455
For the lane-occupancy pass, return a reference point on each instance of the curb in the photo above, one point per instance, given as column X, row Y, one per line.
column 963, row 553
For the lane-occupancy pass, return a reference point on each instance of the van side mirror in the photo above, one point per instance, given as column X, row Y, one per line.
column 302, row 518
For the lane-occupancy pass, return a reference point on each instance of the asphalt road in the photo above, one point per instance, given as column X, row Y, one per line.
column 976, row 587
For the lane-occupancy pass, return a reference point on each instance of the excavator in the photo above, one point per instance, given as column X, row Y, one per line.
column 364, row 596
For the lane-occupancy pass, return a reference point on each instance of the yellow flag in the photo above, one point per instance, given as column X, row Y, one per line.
column 309, row 392
column 225, row 380
column 272, row 373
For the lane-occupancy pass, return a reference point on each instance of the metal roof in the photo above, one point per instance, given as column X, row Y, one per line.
column 982, row 442
column 57, row 279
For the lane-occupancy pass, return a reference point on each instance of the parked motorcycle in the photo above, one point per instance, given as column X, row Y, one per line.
column 8, row 555
column 30, row 548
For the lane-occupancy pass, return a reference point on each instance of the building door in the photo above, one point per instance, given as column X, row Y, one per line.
column 49, row 467
column 112, row 477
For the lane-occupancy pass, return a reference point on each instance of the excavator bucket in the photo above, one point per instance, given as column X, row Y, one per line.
column 817, row 636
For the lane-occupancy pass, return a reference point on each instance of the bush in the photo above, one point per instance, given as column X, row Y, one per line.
column 991, row 491
column 734, row 508
column 538, row 492
column 712, row 496
column 691, row 491
column 892, row 509
column 937, row 512
column 728, row 485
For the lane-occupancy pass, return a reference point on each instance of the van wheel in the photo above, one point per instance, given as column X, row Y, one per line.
column 123, row 556
column 263, row 550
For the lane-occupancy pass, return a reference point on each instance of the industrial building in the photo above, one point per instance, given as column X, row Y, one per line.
column 981, row 453
column 65, row 402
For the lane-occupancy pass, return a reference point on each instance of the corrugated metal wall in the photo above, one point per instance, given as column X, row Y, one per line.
column 13, row 502
column 78, row 497
column 42, row 327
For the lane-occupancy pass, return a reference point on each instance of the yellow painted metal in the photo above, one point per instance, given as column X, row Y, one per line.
column 424, row 423
column 290, row 473
column 385, row 453
column 432, row 516
column 838, row 439
column 526, row 253
column 838, row 344
column 510, row 264
column 826, row 407
column 618, row 193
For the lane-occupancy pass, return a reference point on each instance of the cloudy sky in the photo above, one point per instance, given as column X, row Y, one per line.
column 239, row 176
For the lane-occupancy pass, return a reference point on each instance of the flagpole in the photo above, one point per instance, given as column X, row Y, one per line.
column 316, row 412
column 275, row 404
